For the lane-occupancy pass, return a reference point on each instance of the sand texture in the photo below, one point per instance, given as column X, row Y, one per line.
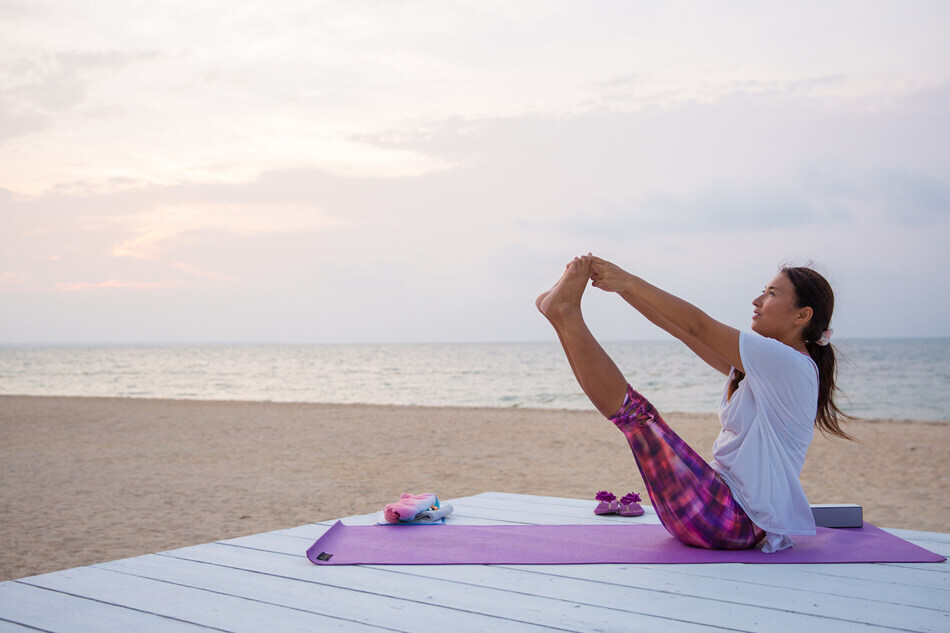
column 86, row 480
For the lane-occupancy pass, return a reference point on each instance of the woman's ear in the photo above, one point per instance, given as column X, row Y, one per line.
column 804, row 315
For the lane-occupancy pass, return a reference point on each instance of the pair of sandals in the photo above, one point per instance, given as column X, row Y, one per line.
column 628, row 506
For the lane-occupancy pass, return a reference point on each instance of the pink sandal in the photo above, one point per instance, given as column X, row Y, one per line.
column 608, row 503
column 630, row 506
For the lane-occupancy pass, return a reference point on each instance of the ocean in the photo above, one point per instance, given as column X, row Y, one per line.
column 894, row 379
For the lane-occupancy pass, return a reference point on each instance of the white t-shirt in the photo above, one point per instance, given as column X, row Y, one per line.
column 767, row 426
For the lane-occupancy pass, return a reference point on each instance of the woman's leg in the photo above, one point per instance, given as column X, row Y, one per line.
column 692, row 502
column 597, row 374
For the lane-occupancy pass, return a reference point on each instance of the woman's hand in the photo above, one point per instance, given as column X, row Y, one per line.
column 606, row 276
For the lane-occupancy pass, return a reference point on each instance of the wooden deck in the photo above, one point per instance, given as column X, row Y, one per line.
column 264, row 583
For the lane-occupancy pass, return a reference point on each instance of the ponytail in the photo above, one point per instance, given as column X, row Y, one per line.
column 815, row 292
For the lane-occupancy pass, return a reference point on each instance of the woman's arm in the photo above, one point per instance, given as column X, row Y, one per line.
column 714, row 342
column 705, row 353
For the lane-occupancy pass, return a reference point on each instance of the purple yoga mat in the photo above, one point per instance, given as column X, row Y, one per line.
column 588, row 544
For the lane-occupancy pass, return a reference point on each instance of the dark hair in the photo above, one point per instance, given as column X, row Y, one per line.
column 813, row 291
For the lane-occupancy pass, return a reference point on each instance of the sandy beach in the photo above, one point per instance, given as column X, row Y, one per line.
column 85, row 480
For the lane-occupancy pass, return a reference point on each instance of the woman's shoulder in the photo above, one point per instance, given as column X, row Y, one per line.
column 774, row 368
column 762, row 353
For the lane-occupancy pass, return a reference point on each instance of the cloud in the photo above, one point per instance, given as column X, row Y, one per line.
column 112, row 284
column 205, row 274
column 38, row 87
column 204, row 94
column 377, row 171
column 14, row 123
column 155, row 228
column 13, row 279
column 909, row 197
column 710, row 211
column 203, row 241
column 12, row 10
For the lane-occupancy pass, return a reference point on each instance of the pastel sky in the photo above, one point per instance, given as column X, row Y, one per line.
column 418, row 171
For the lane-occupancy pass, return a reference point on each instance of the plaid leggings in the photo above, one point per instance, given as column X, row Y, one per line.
column 693, row 503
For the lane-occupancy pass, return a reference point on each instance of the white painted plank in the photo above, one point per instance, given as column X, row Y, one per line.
column 718, row 603
column 515, row 501
column 917, row 535
column 927, row 568
column 915, row 575
column 824, row 600
column 547, row 516
column 523, row 607
column 528, row 510
column 63, row 613
column 313, row 531
column 789, row 577
column 308, row 531
column 470, row 574
column 937, row 547
column 515, row 498
column 10, row 627
column 273, row 542
column 550, row 505
column 888, row 574
column 487, row 505
column 525, row 509
column 205, row 608
column 359, row 606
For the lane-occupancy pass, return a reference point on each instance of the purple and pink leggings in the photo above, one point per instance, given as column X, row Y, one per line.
column 693, row 503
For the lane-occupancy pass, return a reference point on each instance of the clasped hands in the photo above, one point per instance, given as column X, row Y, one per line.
column 605, row 275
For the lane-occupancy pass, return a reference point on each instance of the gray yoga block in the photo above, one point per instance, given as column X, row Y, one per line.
column 845, row 515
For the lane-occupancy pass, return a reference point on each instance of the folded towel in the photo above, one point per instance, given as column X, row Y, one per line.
column 409, row 506
column 433, row 516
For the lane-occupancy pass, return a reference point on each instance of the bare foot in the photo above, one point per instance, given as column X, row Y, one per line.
column 564, row 298
column 540, row 299
column 543, row 295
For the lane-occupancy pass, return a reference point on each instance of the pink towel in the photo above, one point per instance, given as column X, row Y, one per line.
column 409, row 506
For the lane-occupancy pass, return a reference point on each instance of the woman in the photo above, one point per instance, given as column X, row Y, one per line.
column 781, row 385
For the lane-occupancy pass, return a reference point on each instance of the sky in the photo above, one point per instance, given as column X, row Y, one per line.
column 360, row 171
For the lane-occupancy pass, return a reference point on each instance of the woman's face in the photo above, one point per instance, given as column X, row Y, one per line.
column 776, row 314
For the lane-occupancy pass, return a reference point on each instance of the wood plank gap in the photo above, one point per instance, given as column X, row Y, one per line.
column 930, row 568
column 343, row 588
column 255, row 600
column 25, row 581
column 257, row 549
column 24, row 627
column 675, row 569
column 541, row 571
column 653, row 615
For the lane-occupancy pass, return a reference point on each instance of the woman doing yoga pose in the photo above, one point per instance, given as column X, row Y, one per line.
column 781, row 385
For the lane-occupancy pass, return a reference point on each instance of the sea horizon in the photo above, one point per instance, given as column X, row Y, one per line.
column 885, row 378
column 211, row 343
